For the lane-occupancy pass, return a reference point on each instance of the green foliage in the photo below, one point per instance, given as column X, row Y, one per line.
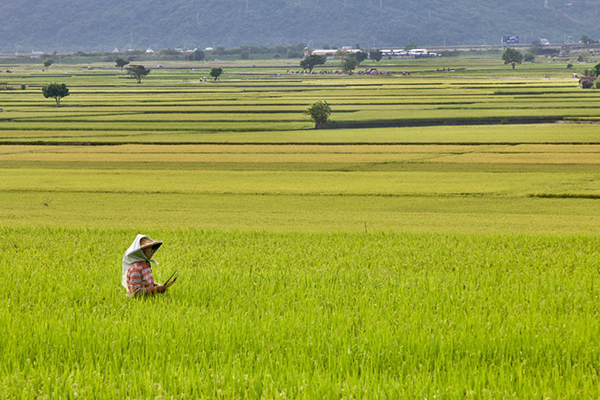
column 197, row 55
column 528, row 56
column 512, row 56
column 595, row 71
column 584, row 56
column 138, row 71
column 349, row 64
column 588, row 72
column 245, row 55
column 375, row 55
column 169, row 52
column 56, row 91
column 215, row 72
column 585, row 39
column 319, row 112
column 311, row 61
column 570, row 66
column 48, row 63
column 120, row 62
column 361, row 56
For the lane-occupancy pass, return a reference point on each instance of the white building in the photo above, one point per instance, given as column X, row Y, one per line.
column 331, row 54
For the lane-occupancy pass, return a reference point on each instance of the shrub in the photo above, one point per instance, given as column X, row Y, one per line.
column 319, row 112
column 529, row 57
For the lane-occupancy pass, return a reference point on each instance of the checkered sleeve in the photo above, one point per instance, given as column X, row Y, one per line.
column 134, row 280
column 149, row 279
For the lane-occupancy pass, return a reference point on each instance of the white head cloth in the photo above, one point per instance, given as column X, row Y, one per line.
column 132, row 255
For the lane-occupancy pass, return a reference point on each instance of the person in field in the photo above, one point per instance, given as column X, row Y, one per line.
column 137, row 269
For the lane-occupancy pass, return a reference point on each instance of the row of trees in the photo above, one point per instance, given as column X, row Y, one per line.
column 349, row 61
column 58, row 91
column 514, row 57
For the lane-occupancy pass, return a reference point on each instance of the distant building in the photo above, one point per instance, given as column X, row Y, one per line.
column 331, row 54
column 401, row 53
column 149, row 51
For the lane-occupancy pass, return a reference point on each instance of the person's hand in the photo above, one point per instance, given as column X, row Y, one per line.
column 161, row 289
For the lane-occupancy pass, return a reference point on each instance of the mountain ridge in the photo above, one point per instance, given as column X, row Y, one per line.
column 72, row 25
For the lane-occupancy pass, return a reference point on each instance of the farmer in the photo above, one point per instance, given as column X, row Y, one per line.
column 137, row 271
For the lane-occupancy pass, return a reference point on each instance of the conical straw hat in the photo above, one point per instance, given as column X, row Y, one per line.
column 145, row 243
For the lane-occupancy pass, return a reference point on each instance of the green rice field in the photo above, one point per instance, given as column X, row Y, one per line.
column 438, row 240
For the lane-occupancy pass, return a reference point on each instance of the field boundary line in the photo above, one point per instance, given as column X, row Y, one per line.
column 76, row 143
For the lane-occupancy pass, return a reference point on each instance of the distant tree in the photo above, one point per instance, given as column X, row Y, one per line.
column 375, row 55
column 357, row 46
column 56, row 91
column 595, row 70
column 197, row 55
column 319, row 112
column 294, row 54
column 138, row 71
column 361, row 56
column 588, row 72
column 349, row 64
column 326, row 47
column 311, row 61
column 512, row 57
column 48, row 63
column 120, row 62
column 245, row 55
column 216, row 72
column 528, row 56
column 584, row 56
column 585, row 39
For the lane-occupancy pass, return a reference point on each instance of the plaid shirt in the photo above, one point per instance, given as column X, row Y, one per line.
column 140, row 280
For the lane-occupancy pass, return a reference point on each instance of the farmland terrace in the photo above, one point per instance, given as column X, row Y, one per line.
column 440, row 241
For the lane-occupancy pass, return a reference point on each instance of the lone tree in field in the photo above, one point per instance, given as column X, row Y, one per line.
column 512, row 57
column 138, row 71
column 361, row 56
column 215, row 72
column 375, row 55
column 311, row 61
column 319, row 112
column 349, row 64
column 55, row 90
column 48, row 63
column 121, row 62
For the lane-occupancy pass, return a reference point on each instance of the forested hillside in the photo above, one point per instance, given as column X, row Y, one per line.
column 65, row 25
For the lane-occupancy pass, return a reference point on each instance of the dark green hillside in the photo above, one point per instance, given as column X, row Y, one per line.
column 66, row 25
